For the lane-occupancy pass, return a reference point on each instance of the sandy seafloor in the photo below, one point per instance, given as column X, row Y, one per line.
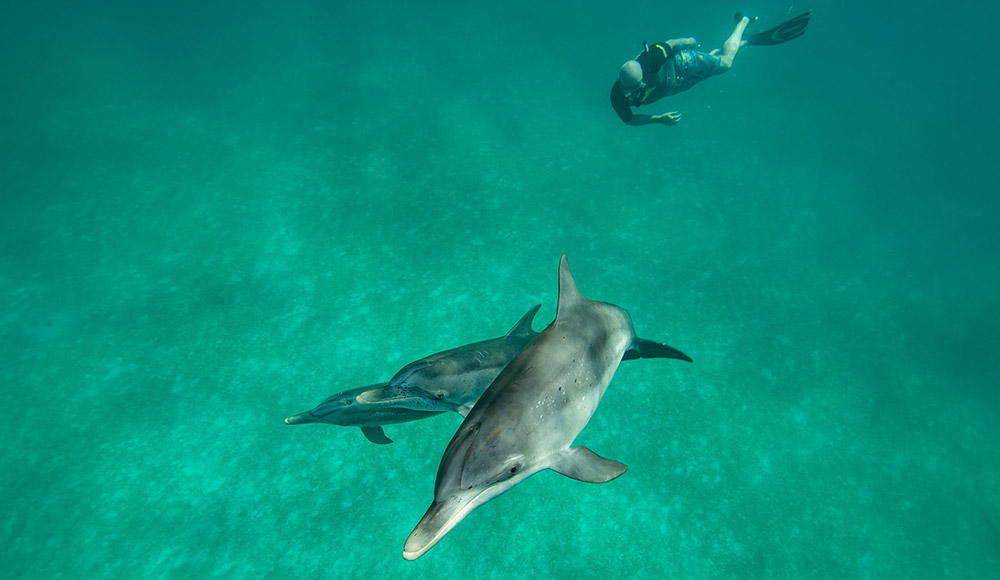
column 214, row 215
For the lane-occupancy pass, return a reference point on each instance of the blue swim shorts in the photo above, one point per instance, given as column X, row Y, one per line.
column 692, row 67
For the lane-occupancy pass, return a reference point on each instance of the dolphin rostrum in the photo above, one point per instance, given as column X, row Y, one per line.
column 454, row 379
column 527, row 419
column 342, row 409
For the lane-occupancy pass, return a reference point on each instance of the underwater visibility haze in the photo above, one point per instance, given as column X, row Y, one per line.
column 216, row 215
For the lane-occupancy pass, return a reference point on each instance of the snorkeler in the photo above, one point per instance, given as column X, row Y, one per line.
column 671, row 67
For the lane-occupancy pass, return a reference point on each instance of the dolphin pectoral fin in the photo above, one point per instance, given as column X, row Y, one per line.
column 376, row 435
column 643, row 348
column 583, row 464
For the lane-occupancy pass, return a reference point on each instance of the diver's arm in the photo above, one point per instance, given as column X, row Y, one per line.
column 671, row 118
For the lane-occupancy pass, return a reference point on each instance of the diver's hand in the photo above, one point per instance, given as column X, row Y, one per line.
column 671, row 118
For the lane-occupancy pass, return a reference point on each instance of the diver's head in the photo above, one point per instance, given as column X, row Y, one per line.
column 630, row 75
column 630, row 78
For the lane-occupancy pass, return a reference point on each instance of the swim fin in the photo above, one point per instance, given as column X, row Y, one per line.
column 783, row 32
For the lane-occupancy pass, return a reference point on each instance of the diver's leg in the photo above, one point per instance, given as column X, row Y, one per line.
column 731, row 46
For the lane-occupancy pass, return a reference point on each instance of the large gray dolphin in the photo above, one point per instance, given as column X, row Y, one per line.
column 342, row 409
column 527, row 419
column 454, row 379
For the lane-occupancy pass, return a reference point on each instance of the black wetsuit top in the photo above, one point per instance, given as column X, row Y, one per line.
column 650, row 60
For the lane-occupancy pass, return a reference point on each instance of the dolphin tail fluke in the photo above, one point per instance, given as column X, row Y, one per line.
column 376, row 435
column 583, row 464
column 648, row 349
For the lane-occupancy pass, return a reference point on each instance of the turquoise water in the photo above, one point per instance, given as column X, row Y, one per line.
column 215, row 216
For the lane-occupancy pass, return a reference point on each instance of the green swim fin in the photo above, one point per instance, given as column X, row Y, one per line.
column 783, row 32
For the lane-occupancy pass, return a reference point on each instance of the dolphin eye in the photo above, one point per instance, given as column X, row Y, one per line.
column 439, row 396
column 514, row 465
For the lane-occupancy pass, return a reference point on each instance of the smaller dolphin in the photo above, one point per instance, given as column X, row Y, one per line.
column 452, row 380
column 342, row 409
column 528, row 419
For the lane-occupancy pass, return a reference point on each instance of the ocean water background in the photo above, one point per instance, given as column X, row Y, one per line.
column 216, row 214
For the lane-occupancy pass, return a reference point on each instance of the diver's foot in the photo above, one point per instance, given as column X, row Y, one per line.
column 741, row 15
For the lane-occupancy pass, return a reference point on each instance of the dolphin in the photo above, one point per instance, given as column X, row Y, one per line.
column 342, row 409
column 528, row 418
column 454, row 379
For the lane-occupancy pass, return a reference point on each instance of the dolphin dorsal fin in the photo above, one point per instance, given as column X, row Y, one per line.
column 523, row 326
column 569, row 296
